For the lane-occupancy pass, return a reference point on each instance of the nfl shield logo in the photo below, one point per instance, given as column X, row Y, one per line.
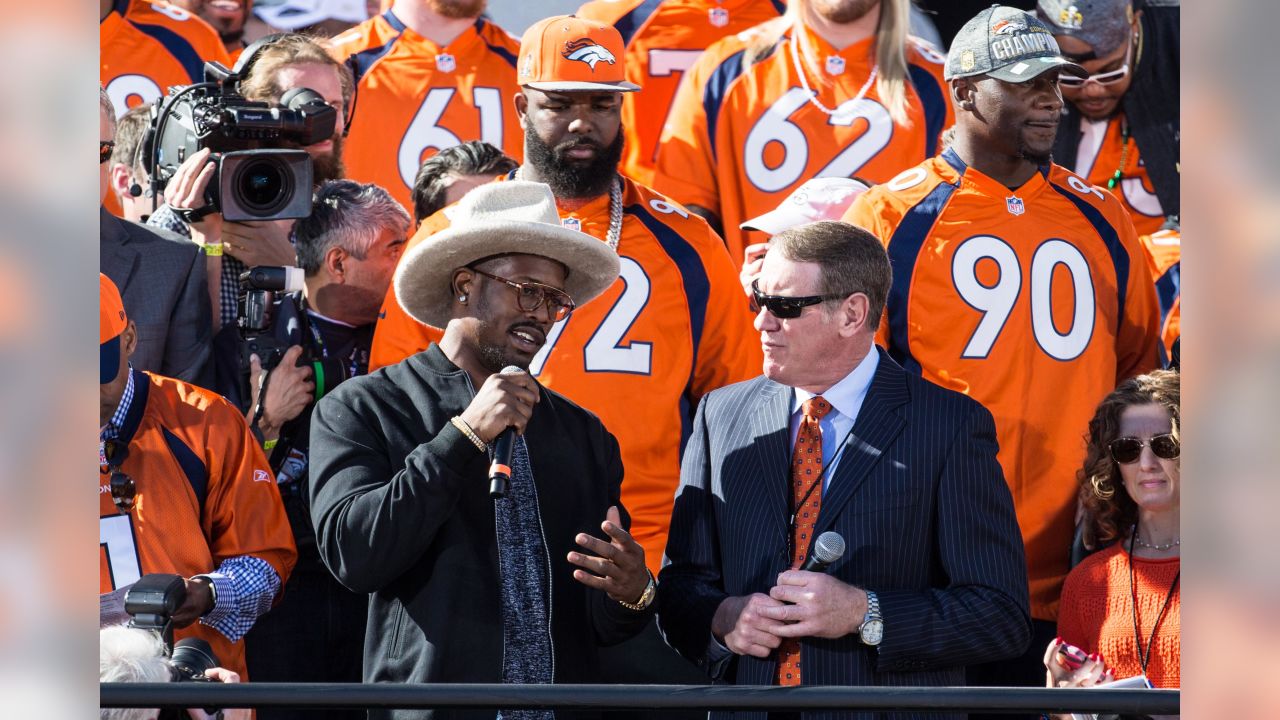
column 835, row 65
column 1015, row 206
column 719, row 17
column 572, row 224
column 446, row 63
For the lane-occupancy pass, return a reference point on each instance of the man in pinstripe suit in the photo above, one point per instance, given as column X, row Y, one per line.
column 836, row 436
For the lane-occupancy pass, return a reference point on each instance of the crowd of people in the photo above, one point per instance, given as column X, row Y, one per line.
column 586, row 338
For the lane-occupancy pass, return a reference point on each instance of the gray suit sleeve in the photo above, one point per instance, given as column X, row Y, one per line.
column 189, row 343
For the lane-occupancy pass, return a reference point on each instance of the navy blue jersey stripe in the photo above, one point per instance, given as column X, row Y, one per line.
column 935, row 106
column 396, row 23
column 1168, row 287
column 498, row 50
column 178, row 47
column 697, row 287
column 714, row 92
column 904, row 248
column 1110, row 238
column 191, row 464
column 361, row 62
column 628, row 24
column 137, row 406
column 779, row 5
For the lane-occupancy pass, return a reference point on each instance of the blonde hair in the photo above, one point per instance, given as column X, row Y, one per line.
column 893, row 75
column 262, row 83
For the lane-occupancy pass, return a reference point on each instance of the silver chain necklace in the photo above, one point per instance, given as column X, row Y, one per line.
column 1177, row 542
column 797, row 35
column 614, row 234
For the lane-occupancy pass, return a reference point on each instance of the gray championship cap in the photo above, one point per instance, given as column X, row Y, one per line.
column 1103, row 25
column 1007, row 44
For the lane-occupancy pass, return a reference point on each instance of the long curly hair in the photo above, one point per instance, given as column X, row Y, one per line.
column 1109, row 509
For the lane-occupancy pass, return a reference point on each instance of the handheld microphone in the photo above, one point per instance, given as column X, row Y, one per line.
column 827, row 549
column 500, row 469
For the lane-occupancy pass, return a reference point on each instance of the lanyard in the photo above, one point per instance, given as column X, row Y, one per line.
column 1145, row 657
column 324, row 352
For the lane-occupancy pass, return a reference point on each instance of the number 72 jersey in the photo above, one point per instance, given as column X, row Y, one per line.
column 1036, row 302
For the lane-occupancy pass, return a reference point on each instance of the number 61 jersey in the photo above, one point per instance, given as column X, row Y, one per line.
column 1036, row 302
column 415, row 98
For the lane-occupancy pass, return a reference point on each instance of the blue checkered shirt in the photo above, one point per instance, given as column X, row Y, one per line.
column 229, row 289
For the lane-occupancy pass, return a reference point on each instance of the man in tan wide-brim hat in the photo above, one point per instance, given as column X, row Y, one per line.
column 464, row 588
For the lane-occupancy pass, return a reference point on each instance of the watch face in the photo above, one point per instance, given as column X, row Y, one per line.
column 872, row 632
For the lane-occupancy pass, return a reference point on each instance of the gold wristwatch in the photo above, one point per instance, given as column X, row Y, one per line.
column 646, row 597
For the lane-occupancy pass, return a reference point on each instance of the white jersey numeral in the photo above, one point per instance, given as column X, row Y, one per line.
column 606, row 351
column 115, row 535
column 425, row 132
column 127, row 86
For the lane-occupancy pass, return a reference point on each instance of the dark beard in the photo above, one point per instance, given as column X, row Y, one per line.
column 329, row 166
column 846, row 11
column 457, row 9
column 572, row 179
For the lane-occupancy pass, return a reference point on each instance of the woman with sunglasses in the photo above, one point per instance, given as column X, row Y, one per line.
column 1121, row 605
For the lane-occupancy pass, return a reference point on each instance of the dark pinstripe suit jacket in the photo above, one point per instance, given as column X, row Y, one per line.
column 918, row 497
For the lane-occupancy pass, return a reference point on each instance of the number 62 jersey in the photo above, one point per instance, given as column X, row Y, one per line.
column 1036, row 302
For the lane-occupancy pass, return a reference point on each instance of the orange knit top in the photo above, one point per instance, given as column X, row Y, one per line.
column 1096, row 613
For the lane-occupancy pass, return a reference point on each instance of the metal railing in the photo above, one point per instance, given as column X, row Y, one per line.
column 630, row 697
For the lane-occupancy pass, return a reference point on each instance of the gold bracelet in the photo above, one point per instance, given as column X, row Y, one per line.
column 212, row 249
column 646, row 597
column 462, row 426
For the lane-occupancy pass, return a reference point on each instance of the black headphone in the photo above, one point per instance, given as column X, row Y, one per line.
column 135, row 190
column 247, row 59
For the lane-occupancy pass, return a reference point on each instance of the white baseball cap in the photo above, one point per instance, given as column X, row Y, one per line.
column 824, row 198
column 291, row 15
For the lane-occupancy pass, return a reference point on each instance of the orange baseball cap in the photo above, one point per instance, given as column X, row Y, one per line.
column 111, row 322
column 571, row 54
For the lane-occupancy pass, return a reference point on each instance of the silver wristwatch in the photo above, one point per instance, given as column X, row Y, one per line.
column 872, row 628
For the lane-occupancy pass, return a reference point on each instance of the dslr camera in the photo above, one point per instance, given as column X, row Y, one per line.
column 271, row 320
column 256, row 177
column 151, row 603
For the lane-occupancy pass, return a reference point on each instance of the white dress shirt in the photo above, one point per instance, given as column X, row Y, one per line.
column 846, row 399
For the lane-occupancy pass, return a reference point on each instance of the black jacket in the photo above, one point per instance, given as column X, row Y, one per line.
column 400, row 502
column 1151, row 105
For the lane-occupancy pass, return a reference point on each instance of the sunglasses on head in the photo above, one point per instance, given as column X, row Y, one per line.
column 1126, row 450
column 531, row 295
column 104, row 150
column 123, row 488
column 787, row 308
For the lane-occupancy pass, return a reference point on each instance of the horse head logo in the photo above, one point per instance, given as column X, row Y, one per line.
column 587, row 51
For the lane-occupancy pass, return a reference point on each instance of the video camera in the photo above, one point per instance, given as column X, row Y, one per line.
column 270, row 321
column 256, row 178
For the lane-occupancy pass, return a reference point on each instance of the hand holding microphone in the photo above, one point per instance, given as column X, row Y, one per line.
column 498, row 413
column 816, row 604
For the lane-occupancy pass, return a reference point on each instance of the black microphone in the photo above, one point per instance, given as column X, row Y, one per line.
column 827, row 549
column 500, row 468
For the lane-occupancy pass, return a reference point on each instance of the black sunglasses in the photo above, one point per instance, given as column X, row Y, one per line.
column 123, row 488
column 531, row 295
column 787, row 308
column 104, row 150
column 1127, row 449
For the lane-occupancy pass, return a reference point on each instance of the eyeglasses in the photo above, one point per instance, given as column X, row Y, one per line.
column 787, row 308
column 531, row 295
column 1127, row 449
column 1110, row 77
column 123, row 488
column 104, row 150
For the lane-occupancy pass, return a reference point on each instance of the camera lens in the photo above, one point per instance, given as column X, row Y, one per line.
column 263, row 185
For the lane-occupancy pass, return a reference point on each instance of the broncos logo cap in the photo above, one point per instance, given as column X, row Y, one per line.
column 1007, row 44
column 571, row 54
column 111, row 322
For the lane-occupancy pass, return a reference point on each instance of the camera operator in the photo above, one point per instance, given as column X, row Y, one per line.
column 278, row 64
column 348, row 249
column 134, row 655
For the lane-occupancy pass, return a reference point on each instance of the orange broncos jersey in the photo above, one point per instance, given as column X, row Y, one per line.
column 1101, row 152
column 674, row 327
column 664, row 38
column 415, row 98
column 1036, row 302
column 147, row 47
column 740, row 139
column 181, row 437
column 1164, row 257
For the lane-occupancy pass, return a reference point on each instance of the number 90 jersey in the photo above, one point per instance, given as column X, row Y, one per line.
column 1036, row 302
column 415, row 98
column 739, row 139
column 672, row 328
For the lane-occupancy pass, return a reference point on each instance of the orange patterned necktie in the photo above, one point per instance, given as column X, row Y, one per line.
column 806, row 498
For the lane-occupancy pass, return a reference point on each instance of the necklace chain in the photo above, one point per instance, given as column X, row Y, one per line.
column 614, row 234
column 804, row 80
column 1144, row 658
column 1177, row 542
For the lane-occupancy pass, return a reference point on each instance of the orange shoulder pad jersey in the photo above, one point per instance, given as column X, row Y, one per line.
column 740, row 138
column 1164, row 256
column 664, row 38
column 1035, row 302
column 1101, row 152
column 148, row 47
column 674, row 327
column 182, row 438
column 415, row 98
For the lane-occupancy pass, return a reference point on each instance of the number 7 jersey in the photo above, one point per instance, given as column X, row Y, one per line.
column 1036, row 302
